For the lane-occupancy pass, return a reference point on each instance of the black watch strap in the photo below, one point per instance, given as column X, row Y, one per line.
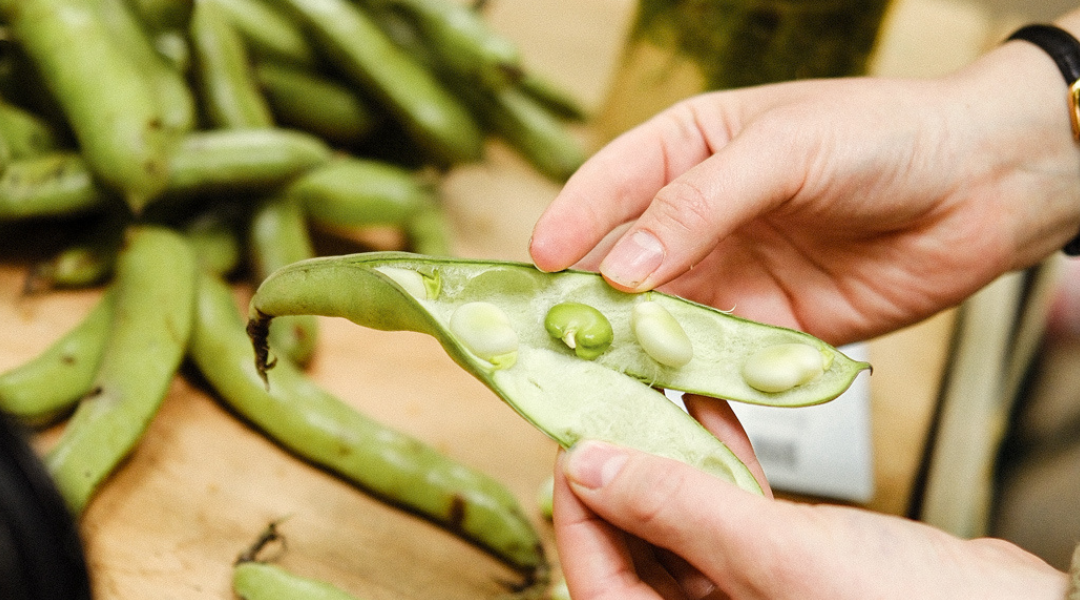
column 1065, row 50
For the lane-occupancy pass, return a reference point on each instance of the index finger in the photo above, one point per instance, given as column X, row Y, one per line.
column 617, row 183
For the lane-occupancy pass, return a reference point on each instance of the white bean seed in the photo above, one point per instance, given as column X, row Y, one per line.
column 660, row 335
column 782, row 367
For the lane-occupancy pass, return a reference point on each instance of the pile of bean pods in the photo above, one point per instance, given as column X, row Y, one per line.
column 183, row 145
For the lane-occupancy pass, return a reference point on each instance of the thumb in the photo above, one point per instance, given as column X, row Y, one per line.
column 699, row 517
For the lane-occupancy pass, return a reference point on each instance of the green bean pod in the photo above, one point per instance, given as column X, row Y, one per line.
column 168, row 85
column 279, row 236
column 460, row 39
column 270, row 34
column 247, row 160
column 429, row 232
column 529, row 127
column 108, row 102
column 148, row 334
column 253, row 580
column 87, row 261
column 357, row 46
column 323, row 429
column 50, row 185
column 356, row 192
column 321, row 105
column 26, row 134
column 558, row 101
column 214, row 239
column 611, row 397
column 351, row 192
column 163, row 14
column 230, row 95
column 51, row 383
column 204, row 163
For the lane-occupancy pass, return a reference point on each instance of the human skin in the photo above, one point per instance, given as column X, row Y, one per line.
column 845, row 208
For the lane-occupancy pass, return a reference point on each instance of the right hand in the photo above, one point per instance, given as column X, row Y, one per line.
column 844, row 208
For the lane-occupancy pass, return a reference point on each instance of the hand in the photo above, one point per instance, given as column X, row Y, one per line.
column 634, row 526
column 844, row 208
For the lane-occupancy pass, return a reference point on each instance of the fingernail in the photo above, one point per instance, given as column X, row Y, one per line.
column 594, row 464
column 633, row 259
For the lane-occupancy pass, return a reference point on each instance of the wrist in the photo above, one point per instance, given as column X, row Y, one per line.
column 1024, row 160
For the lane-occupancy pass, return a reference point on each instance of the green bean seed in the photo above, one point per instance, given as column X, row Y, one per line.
column 152, row 316
column 50, row 384
column 484, row 330
column 784, row 366
column 581, row 327
column 660, row 335
column 323, row 429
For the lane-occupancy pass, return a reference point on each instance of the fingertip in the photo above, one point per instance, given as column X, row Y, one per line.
column 592, row 464
column 632, row 261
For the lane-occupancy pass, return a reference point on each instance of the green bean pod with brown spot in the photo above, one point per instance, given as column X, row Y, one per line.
column 316, row 425
column 151, row 322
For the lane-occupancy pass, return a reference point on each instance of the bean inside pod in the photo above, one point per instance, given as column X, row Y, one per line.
column 612, row 397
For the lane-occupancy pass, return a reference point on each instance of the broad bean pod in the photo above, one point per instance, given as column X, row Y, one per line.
column 252, row 580
column 49, row 384
column 269, row 33
column 26, row 133
column 242, row 160
column 86, row 261
column 318, row 426
column 231, row 98
column 440, row 125
column 355, row 192
column 152, row 319
column 168, row 85
column 611, row 397
column 107, row 100
column 460, row 39
column 61, row 184
column 56, row 184
column 164, row 14
column 350, row 192
column 529, row 127
column 303, row 99
column 278, row 235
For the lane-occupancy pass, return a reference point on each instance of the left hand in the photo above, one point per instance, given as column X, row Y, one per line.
column 633, row 526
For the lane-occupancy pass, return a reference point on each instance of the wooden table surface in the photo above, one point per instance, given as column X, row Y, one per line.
column 202, row 484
